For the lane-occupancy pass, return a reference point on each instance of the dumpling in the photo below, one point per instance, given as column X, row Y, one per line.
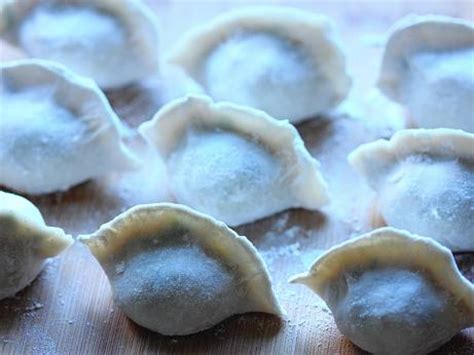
column 176, row 271
column 25, row 243
column 233, row 163
column 283, row 61
column 424, row 181
column 428, row 67
column 113, row 42
column 392, row 292
column 57, row 129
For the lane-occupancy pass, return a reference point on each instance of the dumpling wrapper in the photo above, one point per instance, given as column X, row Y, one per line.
column 113, row 42
column 284, row 61
column 424, row 181
column 25, row 243
column 234, row 163
column 392, row 292
column 57, row 129
column 176, row 271
column 428, row 67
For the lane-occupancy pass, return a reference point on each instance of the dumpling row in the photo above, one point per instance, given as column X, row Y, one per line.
column 296, row 71
column 220, row 157
column 219, row 165
column 283, row 61
column 177, row 271
column 213, row 152
column 227, row 275
column 383, row 285
column 412, row 38
column 173, row 270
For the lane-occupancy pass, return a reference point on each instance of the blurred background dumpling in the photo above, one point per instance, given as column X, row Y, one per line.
column 114, row 42
column 283, row 61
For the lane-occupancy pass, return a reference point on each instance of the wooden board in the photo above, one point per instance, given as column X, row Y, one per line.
column 69, row 310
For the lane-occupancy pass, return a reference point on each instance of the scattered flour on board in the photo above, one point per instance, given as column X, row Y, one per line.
column 275, row 253
column 34, row 306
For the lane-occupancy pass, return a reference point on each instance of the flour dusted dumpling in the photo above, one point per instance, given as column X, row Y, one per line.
column 113, row 42
column 176, row 271
column 424, row 181
column 57, row 129
column 283, row 61
column 25, row 243
column 392, row 292
column 234, row 163
column 428, row 67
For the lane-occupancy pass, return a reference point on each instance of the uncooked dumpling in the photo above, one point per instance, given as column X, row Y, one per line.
column 176, row 271
column 392, row 292
column 234, row 163
column 57, row 129
column 428, row 67
column 424, row 181
column 283, row 61
column 113, row 42
column 25, row 243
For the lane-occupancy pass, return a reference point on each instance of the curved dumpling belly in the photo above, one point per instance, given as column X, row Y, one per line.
column 431, row 199
column 198, row 289
column 227, row 175
column 19, row 264
column 391, row 302
column 267, row 72
column 440, row 89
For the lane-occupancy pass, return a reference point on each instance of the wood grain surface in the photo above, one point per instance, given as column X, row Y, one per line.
column 68, row 309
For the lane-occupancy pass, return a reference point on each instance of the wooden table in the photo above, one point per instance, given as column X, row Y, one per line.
column 69, row 310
